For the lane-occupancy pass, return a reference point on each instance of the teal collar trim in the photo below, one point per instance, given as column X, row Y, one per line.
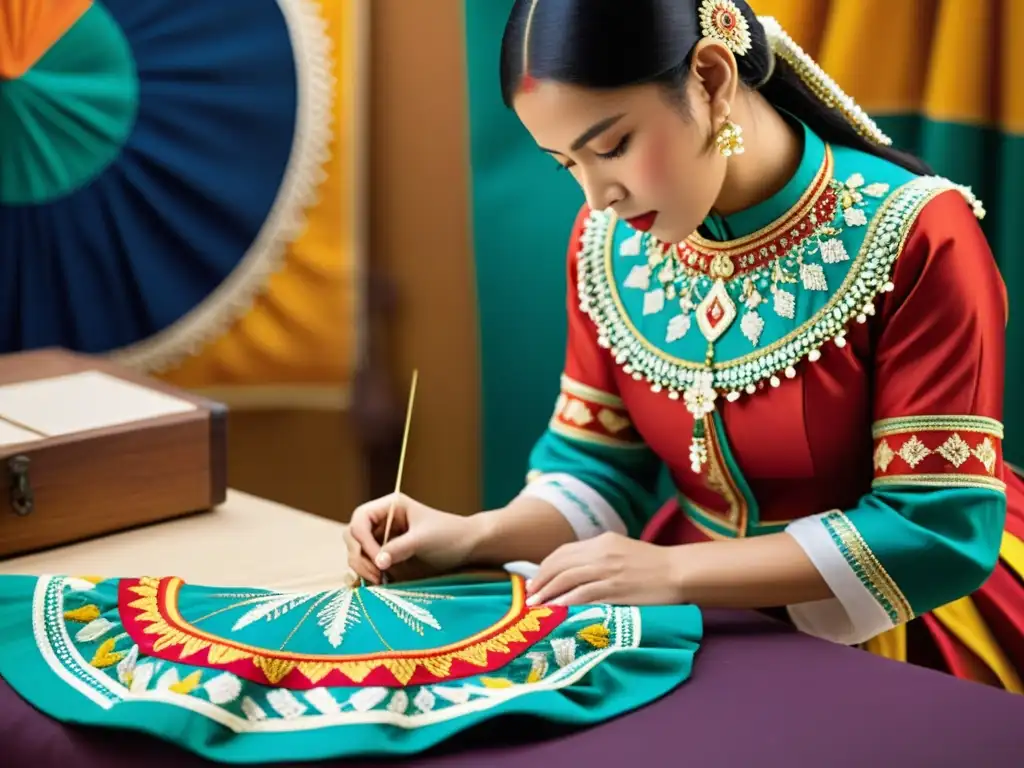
column 750, row 220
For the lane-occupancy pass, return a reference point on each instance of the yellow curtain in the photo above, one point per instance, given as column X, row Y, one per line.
column 297, row 345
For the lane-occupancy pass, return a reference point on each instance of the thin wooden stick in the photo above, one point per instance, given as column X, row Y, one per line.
column 401, row 459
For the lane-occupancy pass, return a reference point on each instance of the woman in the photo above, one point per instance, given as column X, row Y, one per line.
column 804, row 325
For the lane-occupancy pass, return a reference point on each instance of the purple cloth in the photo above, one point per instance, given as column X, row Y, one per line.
column 761, row 694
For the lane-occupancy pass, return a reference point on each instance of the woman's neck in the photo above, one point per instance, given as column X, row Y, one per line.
column 773, row 151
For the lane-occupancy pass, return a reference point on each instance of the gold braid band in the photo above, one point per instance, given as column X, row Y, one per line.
column 824, row 88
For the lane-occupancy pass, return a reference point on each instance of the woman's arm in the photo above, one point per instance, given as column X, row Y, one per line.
column 528, row 529
column 760, row 572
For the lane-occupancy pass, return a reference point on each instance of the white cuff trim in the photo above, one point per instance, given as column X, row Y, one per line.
column 587, row 511
column 853, row 616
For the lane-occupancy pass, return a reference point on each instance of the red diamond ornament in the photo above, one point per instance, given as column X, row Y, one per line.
column 716, row 312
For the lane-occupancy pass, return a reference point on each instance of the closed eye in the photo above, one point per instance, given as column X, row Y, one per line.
column 619, row 149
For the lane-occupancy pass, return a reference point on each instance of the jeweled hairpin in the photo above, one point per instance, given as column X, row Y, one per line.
column 722, row 20
column 824, row 88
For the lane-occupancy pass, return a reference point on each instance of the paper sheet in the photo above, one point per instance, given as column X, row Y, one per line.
column 82, row 401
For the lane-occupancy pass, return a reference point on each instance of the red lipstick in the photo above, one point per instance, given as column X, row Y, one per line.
column 643, row 223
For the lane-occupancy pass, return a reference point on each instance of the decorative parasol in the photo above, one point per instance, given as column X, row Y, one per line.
column 157, row 158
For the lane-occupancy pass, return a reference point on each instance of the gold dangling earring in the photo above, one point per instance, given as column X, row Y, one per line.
column 729, row 139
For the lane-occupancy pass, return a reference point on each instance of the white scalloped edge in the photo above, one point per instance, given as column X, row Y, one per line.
column 299, row 190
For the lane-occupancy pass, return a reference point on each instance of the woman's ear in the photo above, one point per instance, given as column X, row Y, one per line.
column 713, row 71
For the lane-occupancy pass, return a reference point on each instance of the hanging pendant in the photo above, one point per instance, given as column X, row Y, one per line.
column 700, row 401
column 698, row 448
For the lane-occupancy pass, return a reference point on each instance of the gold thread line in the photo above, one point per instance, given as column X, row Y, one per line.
column 900, row 424
column 227, row 608
column 369, row 619
column 942, row 481
column 799, row 210
column 852, row 276
column 585, row 392
column 303, row 620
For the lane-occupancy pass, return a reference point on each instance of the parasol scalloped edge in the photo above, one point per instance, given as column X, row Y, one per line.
column 299, row 191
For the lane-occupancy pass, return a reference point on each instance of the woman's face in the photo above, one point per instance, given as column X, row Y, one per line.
column 631, row 150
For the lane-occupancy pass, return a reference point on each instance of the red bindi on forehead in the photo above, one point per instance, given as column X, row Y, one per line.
column 528, row 84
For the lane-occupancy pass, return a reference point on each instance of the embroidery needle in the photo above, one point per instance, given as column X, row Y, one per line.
column 401, row 466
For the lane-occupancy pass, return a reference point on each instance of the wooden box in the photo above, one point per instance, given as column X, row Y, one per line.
column 88, row 447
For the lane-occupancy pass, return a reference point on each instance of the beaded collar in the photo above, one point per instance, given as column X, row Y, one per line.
column 822, row 275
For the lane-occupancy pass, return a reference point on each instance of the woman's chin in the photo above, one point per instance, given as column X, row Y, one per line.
column 668, row 234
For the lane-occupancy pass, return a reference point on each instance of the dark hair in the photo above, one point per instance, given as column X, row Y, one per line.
column 617, row 43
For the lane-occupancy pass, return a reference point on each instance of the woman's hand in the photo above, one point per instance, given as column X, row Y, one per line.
column 608, row 569
column 424, row 541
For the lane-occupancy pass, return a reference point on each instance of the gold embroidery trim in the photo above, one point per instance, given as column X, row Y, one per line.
column 868, row 568
column 173, row 630
column 769, row 232
column 982, row 424
column 584, row 392
column 942, row 481
column 721, row 481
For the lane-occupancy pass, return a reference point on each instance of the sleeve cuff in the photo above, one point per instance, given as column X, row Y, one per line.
column 854, row 615
column 585, row 509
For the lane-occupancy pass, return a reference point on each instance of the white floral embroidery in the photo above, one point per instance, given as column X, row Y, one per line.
column 752, row 326
column 785, row 304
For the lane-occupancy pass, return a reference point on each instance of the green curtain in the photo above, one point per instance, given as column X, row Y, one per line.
column 939, row 75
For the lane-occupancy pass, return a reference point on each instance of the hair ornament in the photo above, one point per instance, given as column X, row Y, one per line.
column 722, row 20
column 823, row 87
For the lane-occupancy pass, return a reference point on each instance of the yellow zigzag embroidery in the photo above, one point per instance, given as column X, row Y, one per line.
column 277, row 668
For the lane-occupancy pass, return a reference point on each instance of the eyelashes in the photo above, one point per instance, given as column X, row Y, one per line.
column 618, row 151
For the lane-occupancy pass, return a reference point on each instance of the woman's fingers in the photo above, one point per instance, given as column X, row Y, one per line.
column 564, row 582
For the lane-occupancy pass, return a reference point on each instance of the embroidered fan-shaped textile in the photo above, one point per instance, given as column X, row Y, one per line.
column 250, row 676
column 157, row 157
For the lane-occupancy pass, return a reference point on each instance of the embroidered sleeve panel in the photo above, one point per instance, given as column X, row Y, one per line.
column 588, row 415
column 867, row 599
column 939, row 451
column 668, row 315
column 867, row 567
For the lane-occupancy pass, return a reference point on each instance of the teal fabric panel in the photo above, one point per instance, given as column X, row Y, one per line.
column 625, row 477
column 958, row 530
column 249, row 676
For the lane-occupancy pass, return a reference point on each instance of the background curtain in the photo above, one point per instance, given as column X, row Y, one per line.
column 297, row 345
column 942, row 78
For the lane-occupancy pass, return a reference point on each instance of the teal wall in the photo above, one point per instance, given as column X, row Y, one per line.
column 523, row 210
